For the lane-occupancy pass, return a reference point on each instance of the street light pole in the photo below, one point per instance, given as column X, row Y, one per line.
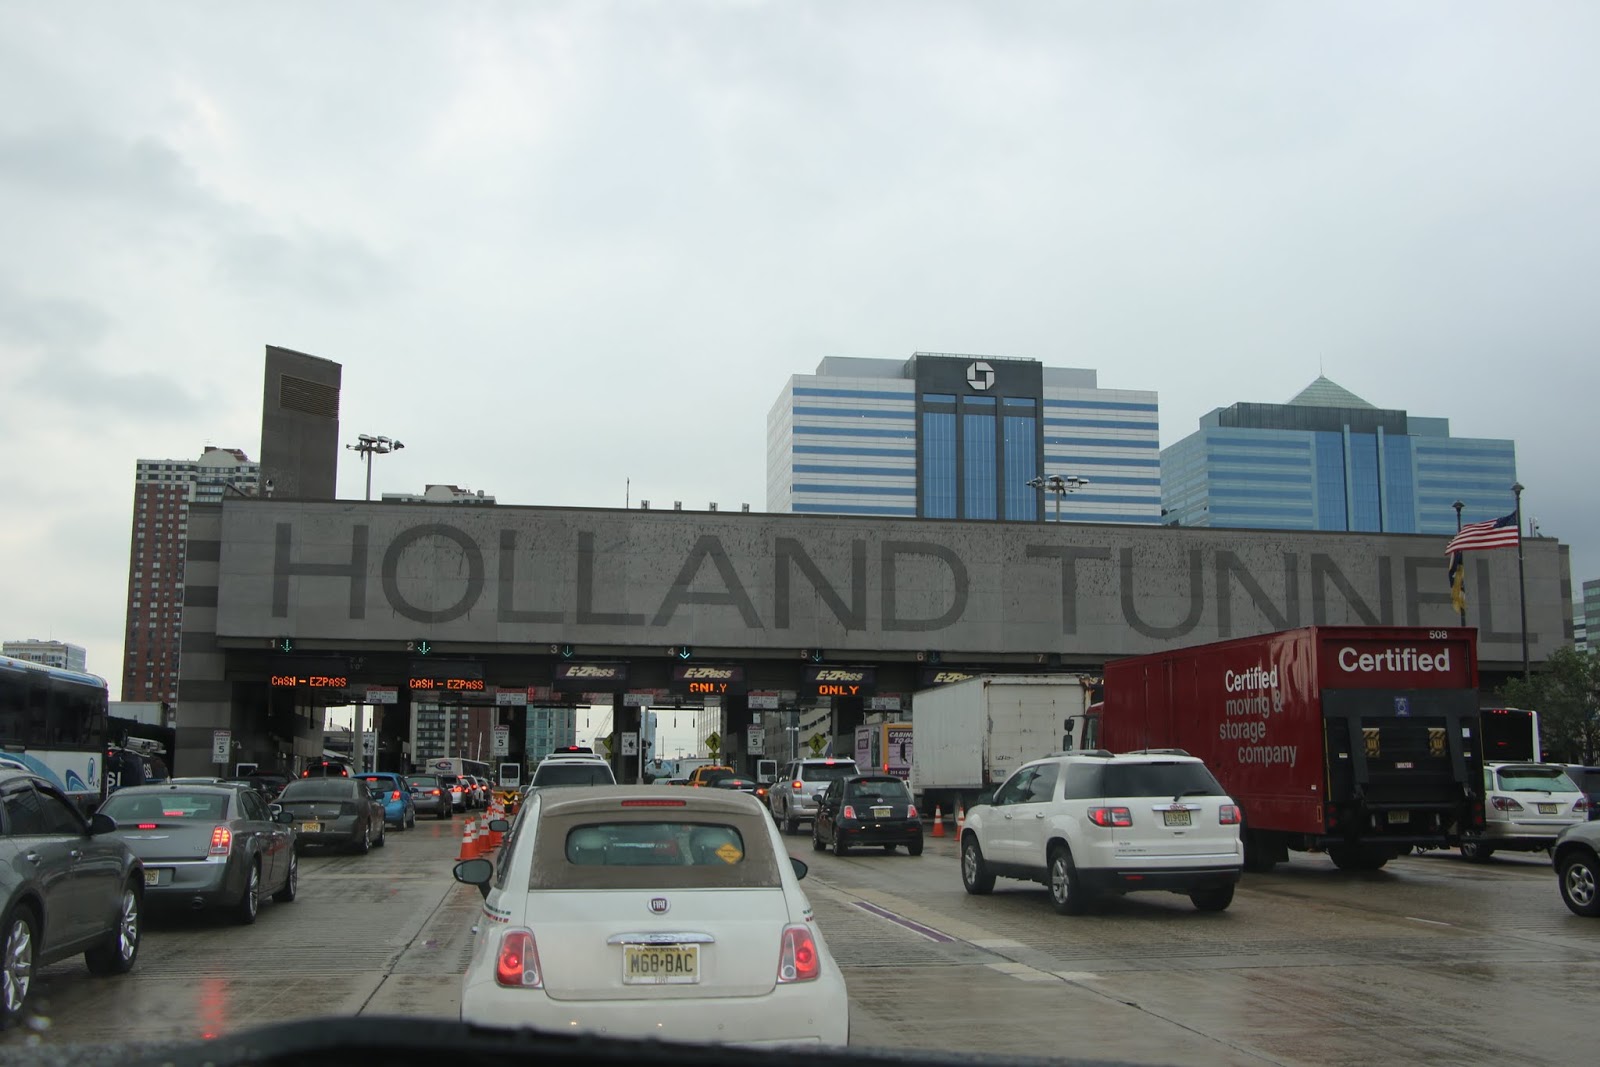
column 1059, row 485
column 368, row 445
column 1522, row 585
column 1458, row 505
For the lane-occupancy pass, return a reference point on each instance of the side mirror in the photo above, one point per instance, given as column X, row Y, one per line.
column 275, row 808
column 101, row 823
column 800, row 868
column 500, row 826
column 475, row 872
column 984, row 798
column 283, row 817
column 819, row 797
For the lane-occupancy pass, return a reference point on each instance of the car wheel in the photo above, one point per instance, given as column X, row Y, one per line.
column 1476, row 852
column 115, row 955
column 383, row 830
column 249, row 904
column 442, row 813
column 816, row 840
column 291, row 884
column 1580, row 884
column 17, row 955
column 1066, row 892
column 975, row 874
column 1216, row 899
column 365, row 844
column 789, row 824
column 839, row 847
column 889, row 849
column 914, row 846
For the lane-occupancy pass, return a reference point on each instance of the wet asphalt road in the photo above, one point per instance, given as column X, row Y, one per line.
column 1431, row 960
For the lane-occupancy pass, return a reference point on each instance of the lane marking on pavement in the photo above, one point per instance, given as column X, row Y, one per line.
column 1077, row 976
column 1022, row 972
column 1430, row 922
column 993, row 943
column 910, row 924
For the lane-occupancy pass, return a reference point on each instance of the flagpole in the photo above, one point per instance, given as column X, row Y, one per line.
column 1458, row 505
column 1522, row 585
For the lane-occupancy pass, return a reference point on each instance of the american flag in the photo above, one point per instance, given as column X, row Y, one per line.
column 1495, row 533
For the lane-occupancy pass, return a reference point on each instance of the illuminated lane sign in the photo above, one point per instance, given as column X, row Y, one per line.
column 841, row 681
column 702, row 679
column 450, row 676
column 308, row 681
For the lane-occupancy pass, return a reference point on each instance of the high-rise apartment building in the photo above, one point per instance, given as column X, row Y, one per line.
column 1588, row 615
column 962, row 437
column 163, row 489
column 548, row 729
column 443, row 731
column 1329, row 460
column 51, row 653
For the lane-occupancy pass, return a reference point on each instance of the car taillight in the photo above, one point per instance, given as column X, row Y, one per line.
column 911, row 811
column 395, row 795
column 145, row 826
column 1229, row 814
column 848, row 812
column 799, row 961
column 517, row 964
column 1581, row 805
column 435, row 792
column 1111, row 816
column 1504, row 804
column 798, row 785
column 221, row 841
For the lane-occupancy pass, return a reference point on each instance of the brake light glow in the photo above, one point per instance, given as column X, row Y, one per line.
column 395, row 795
column 848, row 812
column 911, row 811
column 1504, row 804
column 145, row 826
column 798, row 785
column 221, row 841
column 654, row 803
column 1111, row 816
column 1228, row 814
column 799, row 961
column 517, row 963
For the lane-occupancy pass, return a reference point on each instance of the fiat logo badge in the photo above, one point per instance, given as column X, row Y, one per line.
column 659, row 905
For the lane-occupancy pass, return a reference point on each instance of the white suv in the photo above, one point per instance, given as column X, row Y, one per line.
column 1091, row 823
column 1526, row 806
column 791, row 799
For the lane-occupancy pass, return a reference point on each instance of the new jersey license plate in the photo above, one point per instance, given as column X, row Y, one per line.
column 152, row 877
column 311, row 828
column 1181, row 817
column 881, row 813
column 660, row 964
column 1547, row 809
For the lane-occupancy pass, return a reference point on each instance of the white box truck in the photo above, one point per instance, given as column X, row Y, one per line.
column 969, row 736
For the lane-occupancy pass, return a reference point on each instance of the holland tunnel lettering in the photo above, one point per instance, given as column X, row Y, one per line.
column 536, row 575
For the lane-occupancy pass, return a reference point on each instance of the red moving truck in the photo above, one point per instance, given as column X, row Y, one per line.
column 1359, row 741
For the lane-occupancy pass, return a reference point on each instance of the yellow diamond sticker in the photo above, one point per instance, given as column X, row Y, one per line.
column 730, row 852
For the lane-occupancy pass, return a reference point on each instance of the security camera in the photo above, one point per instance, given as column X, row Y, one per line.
column 270, row 486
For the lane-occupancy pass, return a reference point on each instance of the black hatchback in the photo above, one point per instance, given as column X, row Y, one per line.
column 869, row 809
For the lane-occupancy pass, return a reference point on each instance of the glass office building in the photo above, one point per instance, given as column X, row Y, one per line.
column 1329, row 460
column 945, row 436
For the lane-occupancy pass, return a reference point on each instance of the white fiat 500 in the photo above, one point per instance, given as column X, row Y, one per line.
column 617, row 910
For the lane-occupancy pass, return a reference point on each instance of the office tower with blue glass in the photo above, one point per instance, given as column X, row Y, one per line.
column 1329, row 460
column 944, row 436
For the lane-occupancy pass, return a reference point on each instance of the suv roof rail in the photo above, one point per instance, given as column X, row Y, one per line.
column 1098, row 753
column 1158, row 752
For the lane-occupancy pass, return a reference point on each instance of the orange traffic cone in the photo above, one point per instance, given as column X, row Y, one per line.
column 495, row 836
column 938, row 821
column 961, row 818
column 467, row 850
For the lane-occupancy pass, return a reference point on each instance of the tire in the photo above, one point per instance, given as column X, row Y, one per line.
column 291, row 882
column 19, row 952
column 249, row 904
column 442, row 813
column 1358, row 857
column 365, row 844
column 1476, row 852
column 976, row 877
column 888, row 849
column 790, row 826
column 383, row 835
column 116, row 955
column 816, row 840
column 839, row 847
column 914, row 847
column 1066, row 892
column 1216, row 899
column 1580, row 883
column 1257, row 858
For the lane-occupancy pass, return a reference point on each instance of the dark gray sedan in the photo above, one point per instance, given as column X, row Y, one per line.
column 66, row 886
column 207, row 846
column 333, row 811
column 432, row 795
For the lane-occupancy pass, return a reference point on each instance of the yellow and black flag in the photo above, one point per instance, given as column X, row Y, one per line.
column 1458, row 584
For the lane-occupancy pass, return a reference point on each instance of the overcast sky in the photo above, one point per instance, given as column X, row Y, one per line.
column 559, row 246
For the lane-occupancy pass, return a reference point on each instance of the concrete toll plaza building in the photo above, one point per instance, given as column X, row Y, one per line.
column 520, row 605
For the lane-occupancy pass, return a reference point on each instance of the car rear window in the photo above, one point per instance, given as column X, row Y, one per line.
column 827, row 772
column 309, row 789
column 174, row 804
column 1158, row 780
column 427, row 780
column 1535, row 779
column 651, row 849
column 573, row 773
column 878, row 789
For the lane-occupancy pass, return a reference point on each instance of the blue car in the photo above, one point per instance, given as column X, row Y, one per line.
column 399, row 808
